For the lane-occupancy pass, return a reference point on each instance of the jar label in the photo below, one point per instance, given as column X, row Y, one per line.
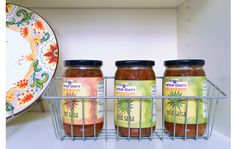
column 185, row 86
column 72, row 109
column 129, row 110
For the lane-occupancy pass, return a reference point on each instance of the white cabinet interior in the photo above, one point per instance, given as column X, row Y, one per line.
column 169, row 29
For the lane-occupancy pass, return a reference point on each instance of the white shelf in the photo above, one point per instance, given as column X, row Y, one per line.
column 99, row 3
column 35, row 130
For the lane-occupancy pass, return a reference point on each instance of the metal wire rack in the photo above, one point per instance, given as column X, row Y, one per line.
column 54, row 97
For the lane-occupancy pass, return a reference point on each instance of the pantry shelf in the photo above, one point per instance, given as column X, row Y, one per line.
column 36, row 127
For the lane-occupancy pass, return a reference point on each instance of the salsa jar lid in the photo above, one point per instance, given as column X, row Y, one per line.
column 86, row 63
column 185, row 62
column 135, row 63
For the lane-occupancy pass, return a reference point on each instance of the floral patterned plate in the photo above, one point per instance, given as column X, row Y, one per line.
column 32, row 56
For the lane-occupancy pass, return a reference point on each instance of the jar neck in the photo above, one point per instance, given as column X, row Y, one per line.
column 134, row 67
column 184, row 67
column 83, row 67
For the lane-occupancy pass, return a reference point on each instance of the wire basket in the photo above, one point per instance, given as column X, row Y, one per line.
column 54, row 97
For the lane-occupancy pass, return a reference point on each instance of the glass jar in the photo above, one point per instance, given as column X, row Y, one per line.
column 82, row 78
column 135, row 78
column 185, row 78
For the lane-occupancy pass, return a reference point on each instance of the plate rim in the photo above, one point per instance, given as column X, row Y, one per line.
column 53, row 74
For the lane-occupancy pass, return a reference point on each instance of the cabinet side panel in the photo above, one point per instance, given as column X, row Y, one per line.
column 204, row 32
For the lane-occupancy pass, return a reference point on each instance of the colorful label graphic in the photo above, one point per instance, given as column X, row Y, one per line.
column 185, row 86
column 126, row 109
column 72, row 109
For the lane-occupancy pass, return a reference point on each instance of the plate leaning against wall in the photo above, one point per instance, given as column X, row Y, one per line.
column 32, row 57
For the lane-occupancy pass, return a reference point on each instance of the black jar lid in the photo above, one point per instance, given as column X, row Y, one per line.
column 185, row 62
column 135, row 63
column 86, row 63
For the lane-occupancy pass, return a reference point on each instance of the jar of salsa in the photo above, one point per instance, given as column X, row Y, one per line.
column 135, row 78
column 82, row 78
column 185, row 78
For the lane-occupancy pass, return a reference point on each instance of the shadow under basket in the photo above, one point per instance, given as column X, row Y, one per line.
column 106, row 130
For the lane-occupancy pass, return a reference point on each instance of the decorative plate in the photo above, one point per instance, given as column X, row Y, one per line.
column 32, row 56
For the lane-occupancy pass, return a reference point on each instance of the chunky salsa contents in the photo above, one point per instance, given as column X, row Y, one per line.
column 82, row 78
column 135, row 78
column 185, row 78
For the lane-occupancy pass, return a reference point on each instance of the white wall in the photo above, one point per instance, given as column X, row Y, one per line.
column 207, row 35
column 114, row 34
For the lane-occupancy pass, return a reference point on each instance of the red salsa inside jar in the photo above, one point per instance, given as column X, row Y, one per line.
column 82, row 78
column 135, row 117
column 188, row 116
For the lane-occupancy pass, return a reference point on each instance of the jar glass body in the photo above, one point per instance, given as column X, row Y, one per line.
column 83, row 73
column 184, row 72
column 134, row 74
